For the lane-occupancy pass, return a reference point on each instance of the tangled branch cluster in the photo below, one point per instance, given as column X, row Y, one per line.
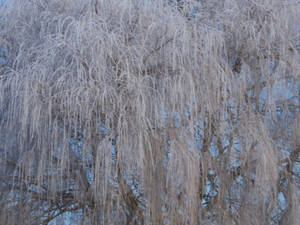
column 149, row 112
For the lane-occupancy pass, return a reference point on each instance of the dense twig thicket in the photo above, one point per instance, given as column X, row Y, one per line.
column 149, row 112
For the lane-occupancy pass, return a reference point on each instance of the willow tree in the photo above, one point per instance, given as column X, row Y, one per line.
column 142, row 112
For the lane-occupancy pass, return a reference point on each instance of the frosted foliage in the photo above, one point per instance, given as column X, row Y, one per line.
column 149, row 112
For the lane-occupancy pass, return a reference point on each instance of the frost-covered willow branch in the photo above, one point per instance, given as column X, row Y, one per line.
column 149, row 112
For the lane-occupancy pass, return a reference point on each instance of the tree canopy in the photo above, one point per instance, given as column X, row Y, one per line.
column 150, row 112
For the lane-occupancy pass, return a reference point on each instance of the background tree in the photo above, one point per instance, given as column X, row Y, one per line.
column 134, row 112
